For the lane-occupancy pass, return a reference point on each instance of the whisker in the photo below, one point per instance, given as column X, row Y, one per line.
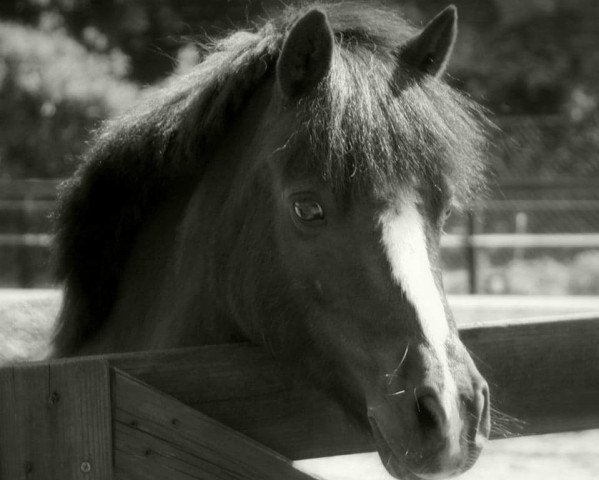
column 505, row 425
column 393, row 374
column 417, row 403
column 400, row 392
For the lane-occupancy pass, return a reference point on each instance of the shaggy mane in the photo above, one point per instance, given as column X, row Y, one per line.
column 375, row 120
column 368, row 121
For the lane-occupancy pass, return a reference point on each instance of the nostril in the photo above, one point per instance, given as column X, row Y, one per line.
column 430, row 413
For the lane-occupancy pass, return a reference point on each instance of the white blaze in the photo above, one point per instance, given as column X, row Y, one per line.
column 404, row 239
column 405, row 244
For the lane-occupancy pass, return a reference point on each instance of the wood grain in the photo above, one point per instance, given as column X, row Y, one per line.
column 240, row 386
column 26, row 446
column 544, row 373
column 155, row 433
column 55, row 421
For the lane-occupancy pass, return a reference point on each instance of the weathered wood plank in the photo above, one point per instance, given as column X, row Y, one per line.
column 26, row 447
column 136, row 467
column 82, row 421
column 55, row 421
column 161, row 432
column 240, row 386
column 543, row 372
column 546, row 373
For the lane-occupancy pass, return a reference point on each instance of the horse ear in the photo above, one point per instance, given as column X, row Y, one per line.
column 429, row 51
column 306, row 55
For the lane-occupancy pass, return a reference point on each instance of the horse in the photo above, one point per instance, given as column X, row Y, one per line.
column 291, row 191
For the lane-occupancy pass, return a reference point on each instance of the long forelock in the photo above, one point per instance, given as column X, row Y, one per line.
column 370, row 124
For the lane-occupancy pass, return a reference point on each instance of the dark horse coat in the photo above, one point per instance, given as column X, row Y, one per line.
column 291, row 190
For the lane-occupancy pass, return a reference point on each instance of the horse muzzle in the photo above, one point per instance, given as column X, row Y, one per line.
column 430, row 427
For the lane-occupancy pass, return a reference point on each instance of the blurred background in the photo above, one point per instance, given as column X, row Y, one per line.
column 66, row 65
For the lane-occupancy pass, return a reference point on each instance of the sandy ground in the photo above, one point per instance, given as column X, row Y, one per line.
column 567, row 456
column 26, row 322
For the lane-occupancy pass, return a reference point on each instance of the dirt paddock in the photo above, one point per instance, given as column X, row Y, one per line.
column 566, row 456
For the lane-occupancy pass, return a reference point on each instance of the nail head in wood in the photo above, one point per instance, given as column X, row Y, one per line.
column 54, row 398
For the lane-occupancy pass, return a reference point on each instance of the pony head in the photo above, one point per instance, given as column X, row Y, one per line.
column 367, row 150
column 311, row 167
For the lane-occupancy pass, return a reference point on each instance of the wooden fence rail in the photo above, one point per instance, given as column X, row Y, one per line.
column 123, row 412
column 522, row 240
column 29, row 188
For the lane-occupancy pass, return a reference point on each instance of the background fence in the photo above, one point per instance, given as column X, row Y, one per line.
column 25, row 225
column 535, row 64
column 533, row 236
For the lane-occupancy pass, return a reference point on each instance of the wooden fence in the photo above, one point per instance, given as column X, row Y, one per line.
column 229, row 412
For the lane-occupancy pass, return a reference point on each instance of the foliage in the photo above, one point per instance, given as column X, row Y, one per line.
column 532, row 147
column 149, row 33
column 539, row 61
column 545, row 63
column 536, row 57
column 53, row 91
column 517, row 58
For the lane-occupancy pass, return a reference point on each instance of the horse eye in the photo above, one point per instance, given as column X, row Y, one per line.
column 308, row 210
column 447, row 212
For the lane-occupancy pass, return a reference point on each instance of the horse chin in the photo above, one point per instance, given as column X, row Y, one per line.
column 388, row 457
column 391, row 461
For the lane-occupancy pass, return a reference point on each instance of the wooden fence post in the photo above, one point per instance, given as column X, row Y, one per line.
column 24, row 270
column 55, row 421
column 158, row 438
column 471, row 252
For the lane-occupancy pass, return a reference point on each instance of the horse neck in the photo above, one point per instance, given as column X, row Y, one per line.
column 226, row 231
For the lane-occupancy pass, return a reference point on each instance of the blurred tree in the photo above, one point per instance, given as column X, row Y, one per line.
column 541, row 61
column 150, row 32
column 53, row 92
column 537, row 57
column 547, row 63
column 548, row 147
column 533, row 57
